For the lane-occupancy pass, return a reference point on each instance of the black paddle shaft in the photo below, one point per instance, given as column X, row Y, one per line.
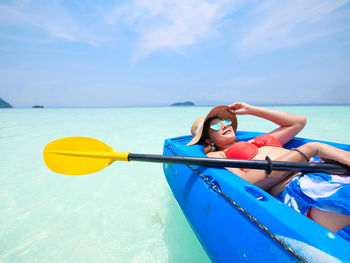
column 266, row 165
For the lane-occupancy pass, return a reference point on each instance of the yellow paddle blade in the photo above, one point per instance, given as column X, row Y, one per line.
column 80, row 155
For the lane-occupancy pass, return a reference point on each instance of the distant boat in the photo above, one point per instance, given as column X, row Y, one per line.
column 37, row 106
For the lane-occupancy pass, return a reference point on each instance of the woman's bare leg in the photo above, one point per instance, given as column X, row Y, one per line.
column 330, row 220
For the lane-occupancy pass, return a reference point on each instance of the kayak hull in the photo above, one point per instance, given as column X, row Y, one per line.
column 249, row 225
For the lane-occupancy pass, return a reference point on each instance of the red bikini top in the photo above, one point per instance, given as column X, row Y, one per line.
column 248, row 150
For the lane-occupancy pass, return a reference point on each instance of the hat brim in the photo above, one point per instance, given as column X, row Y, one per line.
column 198, row 135
column 222, row 112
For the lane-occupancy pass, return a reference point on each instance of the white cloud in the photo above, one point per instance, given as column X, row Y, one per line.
column 51, row 18
column 41, row 18
column 265, row 26
column 170, row 24
column 281, row 24
column 149, row 26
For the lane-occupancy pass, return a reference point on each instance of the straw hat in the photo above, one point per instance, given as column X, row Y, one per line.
column 221, row 112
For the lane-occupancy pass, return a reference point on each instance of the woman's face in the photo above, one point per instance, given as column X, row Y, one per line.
column 223, row 137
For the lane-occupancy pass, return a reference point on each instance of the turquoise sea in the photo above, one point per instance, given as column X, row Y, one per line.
column 124, row 213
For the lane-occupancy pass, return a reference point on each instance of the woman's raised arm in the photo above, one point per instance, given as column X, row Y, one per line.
column 290, row 124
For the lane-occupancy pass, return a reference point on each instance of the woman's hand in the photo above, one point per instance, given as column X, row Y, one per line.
column 241, row 108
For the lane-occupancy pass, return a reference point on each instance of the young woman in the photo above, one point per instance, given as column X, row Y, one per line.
column 216, row 132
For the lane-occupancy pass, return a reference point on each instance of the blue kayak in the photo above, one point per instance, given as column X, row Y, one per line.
column 236, row 221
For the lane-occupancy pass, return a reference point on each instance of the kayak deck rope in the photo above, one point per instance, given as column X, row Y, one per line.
column 242, row 210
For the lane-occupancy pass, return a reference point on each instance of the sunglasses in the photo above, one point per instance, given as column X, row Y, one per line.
column 217, row 126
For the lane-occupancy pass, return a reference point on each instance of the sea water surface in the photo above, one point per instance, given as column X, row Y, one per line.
column 124, row 213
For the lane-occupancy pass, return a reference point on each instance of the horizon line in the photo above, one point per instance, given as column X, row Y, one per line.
column 187, row 106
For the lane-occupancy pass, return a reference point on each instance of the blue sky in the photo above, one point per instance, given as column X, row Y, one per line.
column 141, row 52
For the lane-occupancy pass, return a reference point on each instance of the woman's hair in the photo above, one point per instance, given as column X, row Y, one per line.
column 206, row 127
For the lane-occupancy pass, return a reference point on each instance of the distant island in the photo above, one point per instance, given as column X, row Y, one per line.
column 186, row 103
column 4, row 104
column 37, row 107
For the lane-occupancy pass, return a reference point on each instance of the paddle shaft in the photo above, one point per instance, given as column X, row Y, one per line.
column 241, row 163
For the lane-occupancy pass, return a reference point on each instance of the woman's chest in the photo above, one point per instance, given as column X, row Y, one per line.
column 271, row 151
